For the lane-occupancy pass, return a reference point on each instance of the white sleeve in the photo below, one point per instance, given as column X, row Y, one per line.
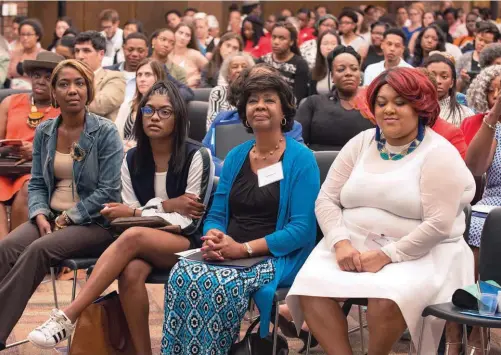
column 440, row 199
column 200, row 181
column 128, row 196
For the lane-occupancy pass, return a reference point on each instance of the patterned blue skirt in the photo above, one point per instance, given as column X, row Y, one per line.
column 205, row 304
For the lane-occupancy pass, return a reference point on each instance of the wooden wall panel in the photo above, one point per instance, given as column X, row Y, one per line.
column 46, row 12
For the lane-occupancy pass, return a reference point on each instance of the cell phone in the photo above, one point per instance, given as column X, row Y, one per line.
column 473, row 74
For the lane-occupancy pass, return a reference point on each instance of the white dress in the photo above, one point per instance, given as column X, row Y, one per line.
column 418, row 203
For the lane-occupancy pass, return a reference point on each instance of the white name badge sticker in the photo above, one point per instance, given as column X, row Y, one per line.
column 376, row 241
column 270, row 174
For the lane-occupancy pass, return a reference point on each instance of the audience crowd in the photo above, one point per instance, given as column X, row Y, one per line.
column 411, row 101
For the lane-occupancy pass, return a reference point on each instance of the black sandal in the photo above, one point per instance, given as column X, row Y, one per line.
column 288, row 328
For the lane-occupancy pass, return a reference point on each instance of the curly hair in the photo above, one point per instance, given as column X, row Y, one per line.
column 225, row 67
column 412, row 85
column 261, row 81
column 489, row 54
column 477, row 92
column 418, row 50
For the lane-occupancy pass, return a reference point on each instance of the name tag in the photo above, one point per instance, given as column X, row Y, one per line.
column 376, row 241
column 270, row 174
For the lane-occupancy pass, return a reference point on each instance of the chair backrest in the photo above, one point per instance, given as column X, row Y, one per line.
column 202, row 94
column 490, row 247
column 324, row 162
column 197, row 118
column 228, row 136
column 7, row 92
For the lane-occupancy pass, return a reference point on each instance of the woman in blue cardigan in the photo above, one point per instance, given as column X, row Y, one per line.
column 264, row 205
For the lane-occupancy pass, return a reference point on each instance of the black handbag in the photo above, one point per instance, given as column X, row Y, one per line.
column 253, row 344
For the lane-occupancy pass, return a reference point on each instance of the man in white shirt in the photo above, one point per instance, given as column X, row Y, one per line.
column 114, row 35
column 393, row 47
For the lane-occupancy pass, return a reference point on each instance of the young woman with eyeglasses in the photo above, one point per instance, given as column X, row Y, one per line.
column 165, row 176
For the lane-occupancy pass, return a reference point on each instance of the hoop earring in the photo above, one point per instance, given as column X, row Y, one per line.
column 283, row 122
column 246, row 124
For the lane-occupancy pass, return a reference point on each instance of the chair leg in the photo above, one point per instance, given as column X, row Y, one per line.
column 74, row 290
column 420, row 338
column 308, row 344
column 275, row 329
column 53, row 277
column 410, row 347
column 360, row 320
column 73, row 295
column 13, row 345
column 465, row 336
column 482, row 339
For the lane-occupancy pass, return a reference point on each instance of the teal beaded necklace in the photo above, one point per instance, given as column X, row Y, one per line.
column 386, row 155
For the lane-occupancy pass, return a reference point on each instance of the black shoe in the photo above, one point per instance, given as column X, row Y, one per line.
column 288, row 329
column 2, row 346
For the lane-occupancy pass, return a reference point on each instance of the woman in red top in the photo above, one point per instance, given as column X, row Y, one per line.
column 19, row 116
column 252, row 31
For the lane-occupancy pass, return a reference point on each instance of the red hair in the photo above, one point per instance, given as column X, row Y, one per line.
column 413, row 86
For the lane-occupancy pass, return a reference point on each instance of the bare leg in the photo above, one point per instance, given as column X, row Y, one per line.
column 157, row 247
column 135, row 303
column 19, row 212
column 453, row 332
column 284, row 311
column 327, row 323
column 4, row 221
column 386, row 325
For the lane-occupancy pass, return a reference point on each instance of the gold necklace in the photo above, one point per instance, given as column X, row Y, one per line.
column 35, row 117
column 270, row 153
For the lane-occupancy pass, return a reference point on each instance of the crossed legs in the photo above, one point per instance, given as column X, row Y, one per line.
column 131, row 258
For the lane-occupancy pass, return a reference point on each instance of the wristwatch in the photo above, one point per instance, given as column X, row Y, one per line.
column 249, row 249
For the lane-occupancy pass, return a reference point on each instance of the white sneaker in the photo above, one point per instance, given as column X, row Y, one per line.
column 53, row 331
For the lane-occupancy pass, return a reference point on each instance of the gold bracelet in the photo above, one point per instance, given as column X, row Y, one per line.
column 58, row 226
column 489, row 125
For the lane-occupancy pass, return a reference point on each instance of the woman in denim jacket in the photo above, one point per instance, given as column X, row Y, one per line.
column 76, row 169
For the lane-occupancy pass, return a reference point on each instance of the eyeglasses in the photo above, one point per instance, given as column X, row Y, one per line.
column 163, row 113
column 377, row 33
column 346, row 23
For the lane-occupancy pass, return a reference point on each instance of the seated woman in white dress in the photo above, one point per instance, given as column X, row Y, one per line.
column 391, row 211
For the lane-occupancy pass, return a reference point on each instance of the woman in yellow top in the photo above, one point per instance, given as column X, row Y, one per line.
column 19, row 116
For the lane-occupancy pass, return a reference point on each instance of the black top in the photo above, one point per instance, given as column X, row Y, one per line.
column 475, row 67
column 295, row 72
column 327, row 125
column 253, row 209
column 372, row 57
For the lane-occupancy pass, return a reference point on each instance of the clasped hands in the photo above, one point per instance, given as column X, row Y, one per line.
column 350, row 259
column 219, row 246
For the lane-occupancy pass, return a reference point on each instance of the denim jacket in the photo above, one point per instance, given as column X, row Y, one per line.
column 96, row 173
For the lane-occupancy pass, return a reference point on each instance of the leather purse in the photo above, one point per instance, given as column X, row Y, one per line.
column 154, row 222
column 253, row 344
column 102, row 329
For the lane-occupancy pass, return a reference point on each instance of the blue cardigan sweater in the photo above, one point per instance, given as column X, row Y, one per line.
column 295, row 233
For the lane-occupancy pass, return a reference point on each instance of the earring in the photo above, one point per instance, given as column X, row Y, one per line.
column 246, row 124
column 283, row 122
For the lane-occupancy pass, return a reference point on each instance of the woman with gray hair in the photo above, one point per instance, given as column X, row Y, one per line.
column 491, row 55
column 231, row 68
column 483, row 135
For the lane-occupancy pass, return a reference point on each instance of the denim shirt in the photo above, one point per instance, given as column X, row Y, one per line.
column 96, row 173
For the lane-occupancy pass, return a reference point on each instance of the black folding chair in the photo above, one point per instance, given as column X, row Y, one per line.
column 324, row 161
column 197, row 118
column 489, row 269
column 202, row 94
column 228, row 136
